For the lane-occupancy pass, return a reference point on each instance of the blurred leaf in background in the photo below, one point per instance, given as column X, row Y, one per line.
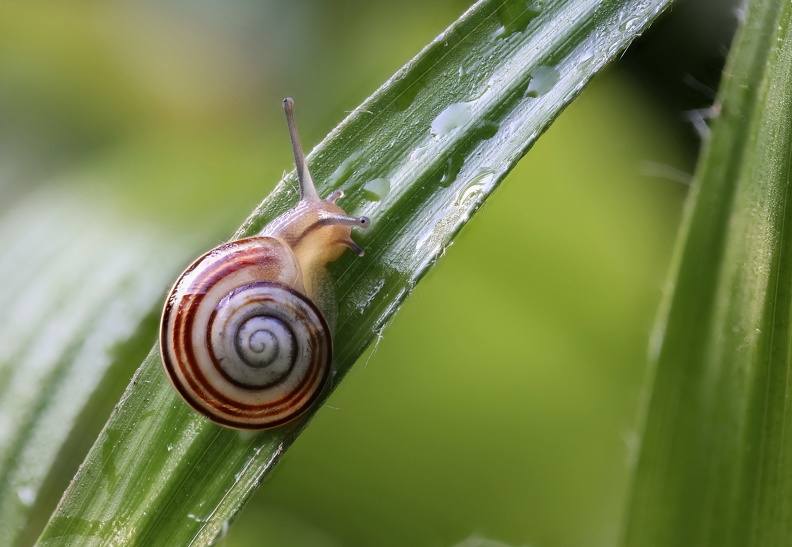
column 502, row 401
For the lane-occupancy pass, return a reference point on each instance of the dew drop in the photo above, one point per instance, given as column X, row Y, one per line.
column 477, row 186
column 245, row 435
column 452, row 117
column 542, row 80
column 485, row 130
column 342, row 173
column 630, row 25
column 514, row 16
column 376, row 189
column 419, row 153
column 452, row 167
column 407, row 96
column 26, row 495
column 586, row 56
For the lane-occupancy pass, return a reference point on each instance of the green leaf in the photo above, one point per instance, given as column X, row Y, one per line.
column 419, row 157
column 714, row 466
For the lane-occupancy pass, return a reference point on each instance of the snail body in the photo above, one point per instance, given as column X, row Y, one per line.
column 244, row 336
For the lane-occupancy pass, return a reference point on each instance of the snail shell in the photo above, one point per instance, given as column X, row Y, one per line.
column 243, row 337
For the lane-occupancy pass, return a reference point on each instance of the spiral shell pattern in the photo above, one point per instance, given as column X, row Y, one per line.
column 239, row 343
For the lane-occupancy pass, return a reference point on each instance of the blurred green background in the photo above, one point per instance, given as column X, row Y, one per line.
column 503, row 401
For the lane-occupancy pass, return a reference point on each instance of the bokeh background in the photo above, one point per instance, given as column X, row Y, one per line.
column 502, row 405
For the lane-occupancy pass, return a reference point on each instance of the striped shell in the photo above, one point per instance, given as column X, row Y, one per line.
column 241, row 345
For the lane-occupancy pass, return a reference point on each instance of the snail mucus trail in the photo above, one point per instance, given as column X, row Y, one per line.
column 244, row 335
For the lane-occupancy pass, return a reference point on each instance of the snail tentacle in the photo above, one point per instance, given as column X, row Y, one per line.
column 307, row 188
column 335, row 196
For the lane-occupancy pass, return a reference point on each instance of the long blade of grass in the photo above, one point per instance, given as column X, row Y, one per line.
column 715, row 466
column 418, row 157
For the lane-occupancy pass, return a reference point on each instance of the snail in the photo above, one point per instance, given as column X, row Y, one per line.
column 244, row 335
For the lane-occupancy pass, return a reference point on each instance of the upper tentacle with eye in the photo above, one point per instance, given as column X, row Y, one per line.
column 317, row 230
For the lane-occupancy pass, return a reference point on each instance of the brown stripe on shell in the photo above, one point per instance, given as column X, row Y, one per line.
column 167, row 360
column 224, row 268
column 202, row 389
column 179, row 318
column 215, row 360
column 199, row 383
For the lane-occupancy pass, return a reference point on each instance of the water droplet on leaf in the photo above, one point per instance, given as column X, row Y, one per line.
column 376, row 189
